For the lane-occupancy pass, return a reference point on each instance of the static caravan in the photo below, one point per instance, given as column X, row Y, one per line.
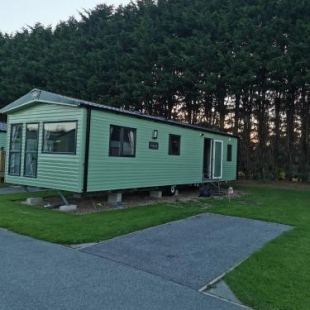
column 69, row 144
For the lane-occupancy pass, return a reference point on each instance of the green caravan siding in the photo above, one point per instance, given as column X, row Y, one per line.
column 57, row 171
column 3, row 140
column 229, row 167
column 149, row 167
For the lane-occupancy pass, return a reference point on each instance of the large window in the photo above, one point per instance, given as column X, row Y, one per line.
column 59, row 137
column 122, row 141
column 31, row 150
column 15, row 149
column 174, row 145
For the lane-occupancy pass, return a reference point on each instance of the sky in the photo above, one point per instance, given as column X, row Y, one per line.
column 16, row 14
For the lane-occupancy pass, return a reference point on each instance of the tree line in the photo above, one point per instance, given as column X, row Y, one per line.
column 241, row 66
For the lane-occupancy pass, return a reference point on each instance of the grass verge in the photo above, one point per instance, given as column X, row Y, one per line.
column 278, row 276
column 63, row 228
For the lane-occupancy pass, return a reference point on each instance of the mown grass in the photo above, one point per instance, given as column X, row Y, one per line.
column 278, row 276
column 63, row 228
column 275, row 278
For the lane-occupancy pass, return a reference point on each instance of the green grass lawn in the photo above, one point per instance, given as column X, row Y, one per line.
column 63, row 228
column 278, row 276
column 275, row 278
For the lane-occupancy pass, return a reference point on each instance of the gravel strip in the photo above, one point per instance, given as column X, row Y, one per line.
column 98, row 203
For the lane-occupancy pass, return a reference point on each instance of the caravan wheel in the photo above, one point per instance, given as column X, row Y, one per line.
column 171, row 190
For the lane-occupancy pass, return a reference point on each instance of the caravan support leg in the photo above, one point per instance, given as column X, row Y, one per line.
column 63, row 198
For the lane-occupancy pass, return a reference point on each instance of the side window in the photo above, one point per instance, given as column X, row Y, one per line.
column 31, row 150
column 15, row 149
column 59, row 137
column 174, row 145
column 229, row 152
column 122, row 141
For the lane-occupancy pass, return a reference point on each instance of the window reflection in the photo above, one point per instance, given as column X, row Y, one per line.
column 122, row 141
column 31, row 150
column 15, row 149
column 59, row 137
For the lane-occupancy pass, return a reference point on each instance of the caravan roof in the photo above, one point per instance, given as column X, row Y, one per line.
column 37, row 95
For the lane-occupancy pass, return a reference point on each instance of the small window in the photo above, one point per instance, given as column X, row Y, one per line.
column 122, row 141
column 31, row 150
column 229, row 152
column 15, row 149
column 59, row 137
column 174, row 145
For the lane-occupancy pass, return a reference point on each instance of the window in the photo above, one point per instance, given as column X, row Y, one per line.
column 174, row 145
column 59, row 137
column 229, row 152
column 122, row 141
column 15, row 149
column 31, row 150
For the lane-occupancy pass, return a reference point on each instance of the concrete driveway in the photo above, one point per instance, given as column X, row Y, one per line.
column 121, row 273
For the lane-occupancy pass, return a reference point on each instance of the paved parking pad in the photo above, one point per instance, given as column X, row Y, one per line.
column 157, row 268
column 39, row 275
column 191, row 252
